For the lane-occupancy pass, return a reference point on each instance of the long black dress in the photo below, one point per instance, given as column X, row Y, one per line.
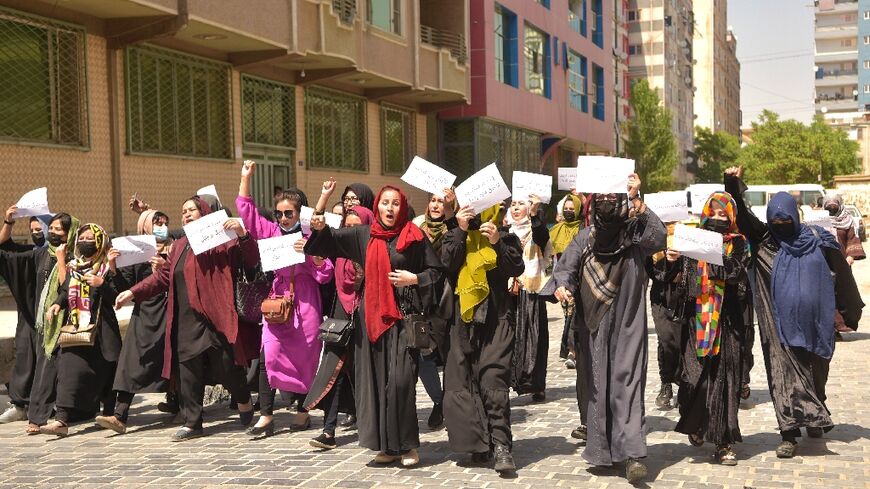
column 796, row 378
column 26, row 273
column 709, row 395
column 668, row 306
column 386, row 370
column 478, row 369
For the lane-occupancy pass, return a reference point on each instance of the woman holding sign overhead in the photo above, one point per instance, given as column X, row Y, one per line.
column 290, row 353
column 402, row 273
column 604, row 268
column 205, row 337
column 714, row 334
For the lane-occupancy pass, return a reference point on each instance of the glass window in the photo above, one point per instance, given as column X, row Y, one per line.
column 398, row 139
column 335, row 130
column 386, row 15
column 537, row 49
column 43, row 96
column 545, row 3
column 177, row 104
column 500, row 40
column 597, row 23
column 577, row 15
column 268, row 113
column 598, row 92
column 506, row 46
column 577, row 97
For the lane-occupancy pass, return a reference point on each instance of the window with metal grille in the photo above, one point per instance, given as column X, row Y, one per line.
column 398, row 139
column 177, row 104
column 457, row 148
column 335, row 130
column 268, row 113
column 43, row 95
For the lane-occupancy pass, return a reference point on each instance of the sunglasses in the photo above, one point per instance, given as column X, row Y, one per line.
column 351, row 199
column 288, row 214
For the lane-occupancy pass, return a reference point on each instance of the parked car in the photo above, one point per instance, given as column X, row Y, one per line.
column 859, row 221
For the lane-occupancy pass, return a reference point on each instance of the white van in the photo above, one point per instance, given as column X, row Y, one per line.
column 810, row 196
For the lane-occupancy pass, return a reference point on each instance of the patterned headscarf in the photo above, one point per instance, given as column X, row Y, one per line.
column 50, row 329
column 843, row 219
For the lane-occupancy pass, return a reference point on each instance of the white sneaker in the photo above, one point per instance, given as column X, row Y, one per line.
column 13, row 413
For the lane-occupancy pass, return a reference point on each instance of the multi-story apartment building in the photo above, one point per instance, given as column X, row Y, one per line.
column 622, row 81
column 660, row 51
column 716, row 69
column 541, row 87
column 842, row 68
column 101, row 100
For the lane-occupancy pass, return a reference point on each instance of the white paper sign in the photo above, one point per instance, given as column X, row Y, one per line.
column 483, row 190
column 700, row 193
column 306, row 213
column 332, row 220
column 33, row 203
column 567, row 178
column 278, row 252
column 821, row 219
column 208, row 232
column 603, row 174
column 209, row 190
column 526, row 184
column 699, row 244
column 669, row 206
column 428, row 177
column 135, row 249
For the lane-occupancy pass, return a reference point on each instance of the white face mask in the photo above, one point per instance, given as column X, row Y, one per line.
column 160, row 232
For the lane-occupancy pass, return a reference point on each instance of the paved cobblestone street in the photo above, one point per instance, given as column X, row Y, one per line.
column 545, row 454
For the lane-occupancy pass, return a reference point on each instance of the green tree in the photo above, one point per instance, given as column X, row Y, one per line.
column 788, row 151
column 649, row 140
column 717, row 151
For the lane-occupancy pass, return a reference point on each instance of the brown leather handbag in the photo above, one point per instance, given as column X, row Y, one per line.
column 82, row 335
column 279, row 309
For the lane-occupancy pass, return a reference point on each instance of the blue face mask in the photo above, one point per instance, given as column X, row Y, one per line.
column 160, row 232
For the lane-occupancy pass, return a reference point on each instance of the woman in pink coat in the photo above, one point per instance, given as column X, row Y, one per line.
column 291, row 351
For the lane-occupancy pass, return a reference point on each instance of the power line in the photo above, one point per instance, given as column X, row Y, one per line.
column 778, row 58
column 744, row 84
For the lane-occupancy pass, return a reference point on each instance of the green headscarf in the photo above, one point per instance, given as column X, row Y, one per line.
column 564, row 232
column 51, row 329
column 472, row 286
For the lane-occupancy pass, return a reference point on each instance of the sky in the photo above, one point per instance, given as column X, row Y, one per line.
column 775, row 49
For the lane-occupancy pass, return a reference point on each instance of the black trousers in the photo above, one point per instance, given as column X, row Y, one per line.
column 192, row 379
column 267, row 393
column 331, row 403
column 24, row 370
column 582, row 385
column 669, row 333
column 122, row 405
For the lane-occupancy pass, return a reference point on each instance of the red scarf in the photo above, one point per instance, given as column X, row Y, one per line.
column 380, row 297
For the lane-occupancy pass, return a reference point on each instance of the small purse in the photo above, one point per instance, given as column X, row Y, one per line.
column 250, row 293
column 419, row 326
column 336, row 332
column 516, row 286
column 72, row 336
column 279, row 309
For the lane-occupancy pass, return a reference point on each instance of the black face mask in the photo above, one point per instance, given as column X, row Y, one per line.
column 606, row 210
column 718, row 225
column 833, row 210
column 784, row 229
column 87, row 249
column 569, row 216
column 56, row 239
column 38, row 238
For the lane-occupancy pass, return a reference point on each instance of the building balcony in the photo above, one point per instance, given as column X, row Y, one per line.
column 836, row 56
column 840, row 7
column 836, row 105
column 848, row 31
column 843, row 78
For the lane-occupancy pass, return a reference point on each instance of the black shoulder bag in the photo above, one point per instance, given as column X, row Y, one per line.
column 419, row 326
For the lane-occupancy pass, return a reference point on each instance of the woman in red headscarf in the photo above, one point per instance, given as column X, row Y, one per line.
column 402, row 273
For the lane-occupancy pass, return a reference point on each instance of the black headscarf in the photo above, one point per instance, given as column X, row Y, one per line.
column 364, row 194
column 611, row 236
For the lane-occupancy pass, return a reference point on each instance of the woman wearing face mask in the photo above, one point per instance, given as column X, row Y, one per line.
column 27, row 273
column 844, row 231
column 38, row 232
column 85, row 373
column 604, row 266
column 795, row 321
column 332, row 389
column 402, row 273
column 709, row 395
column 568, row 224
column 288, row 360
column 141, row 360
column 202, row 324
column 529, row 370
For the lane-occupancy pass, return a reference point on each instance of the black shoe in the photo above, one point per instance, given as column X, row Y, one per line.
column 539, row 397
column 579, row 433
column 786, row 449
column 246, row 417
column 436, row 418
column 323, row 441
column 815, row 432
column 663, row 401
column 266, row 430
column 635, row 471
column 170, row 406
column 185, row 434
column 504, row 461
column 349, row 423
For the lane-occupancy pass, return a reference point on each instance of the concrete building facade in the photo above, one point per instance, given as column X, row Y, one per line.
column 716, row 69
column 542, row 87
column 660, row 51
column 102, row 100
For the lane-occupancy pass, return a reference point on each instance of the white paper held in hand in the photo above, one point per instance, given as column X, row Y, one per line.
column 699, row 244
column 33, row 203
column 208, row 232
column 669, row 206
column 483, row 190
column 278, row 252
column 428, row 177
column 134, row 249
column 603, row 174
column 567, row 178
column 306, row 213
column 209, row 190
column 527, row 184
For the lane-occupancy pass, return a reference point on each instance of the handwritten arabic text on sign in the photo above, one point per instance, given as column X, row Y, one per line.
column 669, row 206
column 278, row 252
column 567, row 178
column 527, row 184
column 208, row 232
column 134, row 249
column 428, row 177
column 483, row 190
column 699, row 244
column 33, row 203
column 603, row 174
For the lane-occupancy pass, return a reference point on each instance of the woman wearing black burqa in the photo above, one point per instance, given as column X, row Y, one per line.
column 402, row 274
column 604, row 268
column 480, row 260
column 796, row 324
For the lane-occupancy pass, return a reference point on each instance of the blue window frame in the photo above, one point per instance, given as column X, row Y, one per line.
column 577, row 94
column 545, row 3
column 598, row 92
column 597, row 24
column 536, row 50
column 577, row 16
column 506, row 52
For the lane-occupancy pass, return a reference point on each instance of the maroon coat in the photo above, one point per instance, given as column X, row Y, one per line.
column 210, row 286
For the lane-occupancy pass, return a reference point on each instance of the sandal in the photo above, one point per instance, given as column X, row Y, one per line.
column 696, row 440
column 726, row 456
column 745, row 391
column 32, row 429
